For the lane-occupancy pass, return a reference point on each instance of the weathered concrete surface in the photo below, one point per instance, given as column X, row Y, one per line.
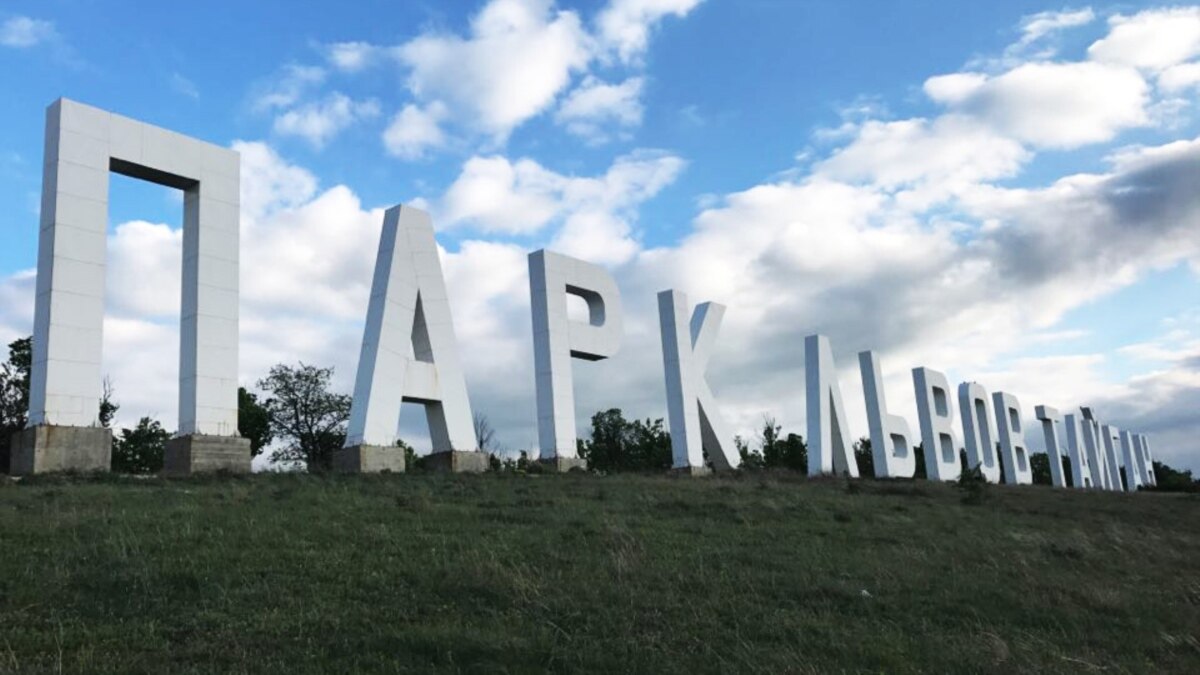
column 198, row 453
column 458, row 461
column 369, row 459
column 563, row 464
column 47, row 447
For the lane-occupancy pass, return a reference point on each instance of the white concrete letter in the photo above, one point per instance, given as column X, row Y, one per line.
column 696, row 423
column 1049, row 418
column 1112, row 456
column 976, row 411
column 1129, row 457
column 1081, row 467
column 891, row 438
column 409, row 352
column 83, row 144
column 1145, row 460
column 1013, row 452
column 829, row 444
column 937, row 429
column 556, row 339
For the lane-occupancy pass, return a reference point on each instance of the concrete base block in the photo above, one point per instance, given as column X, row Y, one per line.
column 563, row 464
column 369, row 459
column 458, row 461
column 186, row 455
column 48, row 447
column 694, row 471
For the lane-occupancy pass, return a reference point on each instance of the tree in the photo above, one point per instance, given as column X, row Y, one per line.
column 108, row 407
column 1039, row 466
column 864, row 456
column 140, row 450
column 485, row 435
column 14, row 394
column 752, row 460
column 304, row 414
column 619, row 445
column 254, row 422
column 919, row 452
column 779, row 451
column 1168, row 479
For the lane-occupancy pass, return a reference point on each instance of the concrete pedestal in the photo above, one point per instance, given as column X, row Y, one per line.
column 458, row 461
column 196, row 453
column 47, row 448
column 369, row 459
column 693, row 471
column 563, row 464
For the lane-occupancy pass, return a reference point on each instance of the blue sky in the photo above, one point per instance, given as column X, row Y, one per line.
column 947, row 183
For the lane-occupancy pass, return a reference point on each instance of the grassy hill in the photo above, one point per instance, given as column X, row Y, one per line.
column 528, row 573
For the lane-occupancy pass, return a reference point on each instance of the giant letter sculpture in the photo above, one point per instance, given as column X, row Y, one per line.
column 556, row 339
column 1081, row 467
column 696, row 424
column 1112, row 455
column 409, row 354
column 83, row 144
column 891, row 438
column 937, row 430
column 976, row 412
column 1049, row 418
column 1094, row 442
column 1013, row 452
column 829, row 449
column 1129, row 453
column 1145, row 460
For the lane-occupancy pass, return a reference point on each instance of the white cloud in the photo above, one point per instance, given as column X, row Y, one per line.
column 954, row 88
column 514, row 63
column 951, row 149
column 352, row 57
column 415, row 130
column 495, row 195
column 519, row 55
column 285, row 91
column 270, row 184
column 1052, row 105
column 595, row 105
column 1152, row 40
column 320, row 121
column 625, row 25
column 1036, row 26
column 1180, row 77
column 20, row 32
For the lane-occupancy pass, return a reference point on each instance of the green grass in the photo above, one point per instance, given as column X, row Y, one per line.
column 515, row 573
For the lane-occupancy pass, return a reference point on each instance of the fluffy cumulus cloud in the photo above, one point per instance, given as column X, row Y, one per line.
column 415, row 130
column 319, row 121
column 595, row 105
column 1052, row 105
column 1151, row 40
column 517, row 60
column 1039, row 33
column 596, row 214
column 287, row 88
column 625, row 25
column 518, row 56
column 351, row 56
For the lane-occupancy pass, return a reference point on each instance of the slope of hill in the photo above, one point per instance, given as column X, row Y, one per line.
column 526, row 573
